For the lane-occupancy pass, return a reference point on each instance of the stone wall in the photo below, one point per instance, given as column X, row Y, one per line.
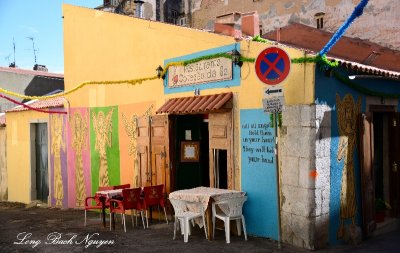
column 304, row 175
column 377, row 24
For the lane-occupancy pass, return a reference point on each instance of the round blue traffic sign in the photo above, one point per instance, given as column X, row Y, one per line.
column 272, row 65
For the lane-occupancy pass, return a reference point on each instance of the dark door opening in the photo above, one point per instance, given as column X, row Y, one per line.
column 221, row 169
column 381, row 145
column 191, row 173
column 41, row 157
column 386, row 149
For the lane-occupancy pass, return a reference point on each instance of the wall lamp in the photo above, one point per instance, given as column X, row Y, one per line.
column 160, row 71
column 236, row 58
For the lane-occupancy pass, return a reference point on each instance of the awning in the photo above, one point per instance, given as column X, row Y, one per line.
column 196, row 104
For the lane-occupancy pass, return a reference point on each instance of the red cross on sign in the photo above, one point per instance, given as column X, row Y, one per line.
column 272, row 65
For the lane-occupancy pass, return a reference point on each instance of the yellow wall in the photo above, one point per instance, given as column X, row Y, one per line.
column 298, row 87
column 104, row 46
column 19, row 153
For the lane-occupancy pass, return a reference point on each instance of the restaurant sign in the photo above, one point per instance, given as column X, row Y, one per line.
column 205, row 71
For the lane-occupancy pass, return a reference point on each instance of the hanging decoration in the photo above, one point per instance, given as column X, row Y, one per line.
column 181, row 63
column 358, row 11
column 30, row 107
column 278, row 120
column 362, row 89
column 320, row 58
column 131, row 82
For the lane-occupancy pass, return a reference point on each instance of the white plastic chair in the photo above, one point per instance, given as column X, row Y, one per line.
column 183, row 215
column 229, row 209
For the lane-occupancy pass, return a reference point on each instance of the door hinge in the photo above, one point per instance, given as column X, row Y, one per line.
column 394, row 122
column 394, row 167
column 163, row 154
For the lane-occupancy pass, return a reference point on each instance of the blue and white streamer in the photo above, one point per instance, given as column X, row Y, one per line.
column 358, row 11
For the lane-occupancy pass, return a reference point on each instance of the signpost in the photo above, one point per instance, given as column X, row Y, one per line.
column 272, row 65
column 273, row 105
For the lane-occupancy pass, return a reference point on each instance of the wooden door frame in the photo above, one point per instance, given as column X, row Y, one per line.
column 366, row 151
column 221, row 137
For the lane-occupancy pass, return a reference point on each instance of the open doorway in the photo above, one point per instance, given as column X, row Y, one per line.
column 39, row 162
column 191, row 150
column 386, row 138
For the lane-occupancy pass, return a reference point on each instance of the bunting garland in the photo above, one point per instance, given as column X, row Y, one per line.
column 30, row 107
column 358, row 11
column 361, row 88
column 320, row 58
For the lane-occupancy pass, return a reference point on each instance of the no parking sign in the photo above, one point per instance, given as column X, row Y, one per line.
column 272, row 65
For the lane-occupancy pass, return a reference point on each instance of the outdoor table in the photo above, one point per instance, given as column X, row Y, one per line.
column 104, row 196
column 206, row 195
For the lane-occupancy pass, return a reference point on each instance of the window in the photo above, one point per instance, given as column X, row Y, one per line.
column 320, row 23
column 174, row 14
column 183, row 21
column 319, row 17
column 114, row 2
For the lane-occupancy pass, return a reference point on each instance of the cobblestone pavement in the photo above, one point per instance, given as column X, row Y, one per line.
column 38, row 229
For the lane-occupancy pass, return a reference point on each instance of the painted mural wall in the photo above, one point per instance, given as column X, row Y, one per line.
column 83, row 27
column 58, row 160
column 78, row 151
column 96, row 141
column 259, row 178
column 345, row 105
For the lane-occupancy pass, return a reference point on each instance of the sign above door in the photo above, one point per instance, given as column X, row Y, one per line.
column 205, row 71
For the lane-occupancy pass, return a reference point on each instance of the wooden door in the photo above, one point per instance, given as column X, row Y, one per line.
column 220, row 137
column 367, row 173
column 143, row 154
column 394, row 163
column 160, row 164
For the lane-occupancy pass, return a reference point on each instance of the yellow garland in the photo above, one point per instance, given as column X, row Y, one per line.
column 180, row 63
column 131, row 81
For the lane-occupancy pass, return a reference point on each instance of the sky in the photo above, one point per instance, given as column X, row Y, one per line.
column 40, row 20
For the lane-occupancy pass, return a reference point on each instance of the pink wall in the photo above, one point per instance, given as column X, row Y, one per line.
column 72, row 158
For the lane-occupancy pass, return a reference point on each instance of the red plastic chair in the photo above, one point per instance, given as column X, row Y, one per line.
column 154, row 196
column 97, row 202
column 131, row 201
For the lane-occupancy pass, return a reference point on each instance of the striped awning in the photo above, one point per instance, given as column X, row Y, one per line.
column 196, row 104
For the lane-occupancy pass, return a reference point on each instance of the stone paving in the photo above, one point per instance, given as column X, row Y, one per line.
column 41, row 229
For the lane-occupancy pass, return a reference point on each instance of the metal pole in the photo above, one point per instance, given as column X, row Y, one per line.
column 278, row 181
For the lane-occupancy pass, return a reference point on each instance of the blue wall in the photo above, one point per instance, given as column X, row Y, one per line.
column 326, row 90
column 221, row 84
column 259, row 177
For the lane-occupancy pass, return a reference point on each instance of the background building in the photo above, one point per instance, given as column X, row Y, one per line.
column 28, row 82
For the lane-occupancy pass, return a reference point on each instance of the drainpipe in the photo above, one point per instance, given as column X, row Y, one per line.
column 278, row 34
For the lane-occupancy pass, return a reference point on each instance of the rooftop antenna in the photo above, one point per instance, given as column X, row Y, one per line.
column 14, row 52
column 8, row 59
column 34, row 49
